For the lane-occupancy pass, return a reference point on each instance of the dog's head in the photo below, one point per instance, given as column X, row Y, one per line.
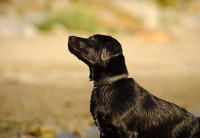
column 97, row 49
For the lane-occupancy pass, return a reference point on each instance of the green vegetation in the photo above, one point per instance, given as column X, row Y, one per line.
column 170, row 3
column 165, row 3
column 87, row 16
column 74, row 20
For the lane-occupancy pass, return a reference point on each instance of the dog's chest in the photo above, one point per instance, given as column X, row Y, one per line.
column 100, row 100
column 104, row 107
column 100, row 103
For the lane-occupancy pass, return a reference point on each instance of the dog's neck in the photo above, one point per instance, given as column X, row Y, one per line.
column 108, row 80
column 116, row 66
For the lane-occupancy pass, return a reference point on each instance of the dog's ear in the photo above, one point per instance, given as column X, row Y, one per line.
column 111, row 50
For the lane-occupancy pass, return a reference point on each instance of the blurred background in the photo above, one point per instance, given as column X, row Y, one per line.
column 45, row 90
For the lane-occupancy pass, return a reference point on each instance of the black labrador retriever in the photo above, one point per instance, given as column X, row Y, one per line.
column 121, row 108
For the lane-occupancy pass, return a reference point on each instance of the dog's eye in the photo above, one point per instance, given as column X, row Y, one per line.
column 93, row 39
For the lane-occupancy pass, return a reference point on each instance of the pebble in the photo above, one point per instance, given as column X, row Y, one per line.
column 43, row 131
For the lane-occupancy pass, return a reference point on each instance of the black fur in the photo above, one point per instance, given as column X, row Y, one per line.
column 124, row 109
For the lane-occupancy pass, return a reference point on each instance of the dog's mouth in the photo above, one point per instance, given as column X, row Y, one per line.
column 73, row 45
column 72, row 48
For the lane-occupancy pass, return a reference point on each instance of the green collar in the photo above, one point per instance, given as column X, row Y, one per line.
column 106, row 81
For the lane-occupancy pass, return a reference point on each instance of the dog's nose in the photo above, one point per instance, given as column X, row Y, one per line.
column 71, row 38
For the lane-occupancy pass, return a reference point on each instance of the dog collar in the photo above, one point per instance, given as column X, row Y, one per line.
column 106, row 81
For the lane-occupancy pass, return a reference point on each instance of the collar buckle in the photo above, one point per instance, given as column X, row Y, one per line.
column 92, row 84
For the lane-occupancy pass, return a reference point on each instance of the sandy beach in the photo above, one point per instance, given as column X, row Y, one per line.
column 43, row 85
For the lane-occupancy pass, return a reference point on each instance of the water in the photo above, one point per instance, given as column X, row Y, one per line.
column 89, row 134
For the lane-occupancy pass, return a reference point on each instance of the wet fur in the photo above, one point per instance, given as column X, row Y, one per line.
column 124, row 109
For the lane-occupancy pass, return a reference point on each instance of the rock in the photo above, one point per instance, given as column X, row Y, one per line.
column 43, row 131
column 80, row 133
column 29, row 30
column 10, row 26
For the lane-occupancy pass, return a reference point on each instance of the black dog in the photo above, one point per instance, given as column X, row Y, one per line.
column 120, row 107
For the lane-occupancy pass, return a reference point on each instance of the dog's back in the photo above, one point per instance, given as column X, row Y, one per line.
column 127, row 107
